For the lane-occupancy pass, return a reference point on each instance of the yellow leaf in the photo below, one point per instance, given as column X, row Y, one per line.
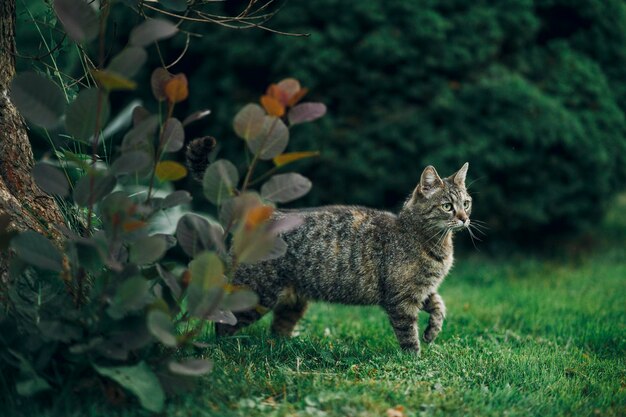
column 170, row 171
column 290, row 157
column 176, row 89
column 112, row 81
column 272, row 106
column 257, row 215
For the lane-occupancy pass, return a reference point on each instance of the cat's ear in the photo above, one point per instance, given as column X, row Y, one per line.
column 429, row 182
column 459, row 178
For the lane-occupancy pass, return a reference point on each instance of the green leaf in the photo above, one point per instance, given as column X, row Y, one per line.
column 53, row 330
column 140, row 114
column 195, row 234
column 251, row 246
column 140, row 380
column 173, row 135
column 240, row 300
column 29, row 383
column 141, row 136
column 160, row 76
column 50, row 179
column 102, row 186
column 284, row 188
column 249, row 122
column 207, row 271
column 219, row 181
column 152, row 30
column 132, row 295
column 206, row 287
column 176, row 199
column 273, row 141
column 82, row 114
column 306, row 112
column 36, row 250
column 78, row 18
column 191, row 367
column 38, row 99
column 129, row 61
column 147, row 250
column 31, row 386
column 131, row 162
column 170, row 280
column 161, row 327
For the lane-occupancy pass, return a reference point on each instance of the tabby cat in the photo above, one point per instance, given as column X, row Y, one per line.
column 357, row 255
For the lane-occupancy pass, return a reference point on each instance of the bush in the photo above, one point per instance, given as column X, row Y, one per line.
column 120, row 300
column 532, row 94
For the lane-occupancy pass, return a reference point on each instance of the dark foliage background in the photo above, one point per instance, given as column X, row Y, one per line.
column 531, row 93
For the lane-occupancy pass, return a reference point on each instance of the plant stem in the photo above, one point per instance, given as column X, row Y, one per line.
column 159, row 152
column 246, row 181
column 96, row 136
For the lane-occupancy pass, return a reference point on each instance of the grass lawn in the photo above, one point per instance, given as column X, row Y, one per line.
column 523, row 337
column 526, row 338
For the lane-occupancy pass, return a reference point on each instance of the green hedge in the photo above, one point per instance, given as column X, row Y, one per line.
column 532, row 94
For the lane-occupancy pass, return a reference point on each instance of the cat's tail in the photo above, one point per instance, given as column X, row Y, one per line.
column 198, row 152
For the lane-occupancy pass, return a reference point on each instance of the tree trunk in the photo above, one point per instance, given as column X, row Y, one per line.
column 20, row 198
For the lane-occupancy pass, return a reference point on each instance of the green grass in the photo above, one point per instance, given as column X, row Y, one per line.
column 532, row 339
column 523, row 337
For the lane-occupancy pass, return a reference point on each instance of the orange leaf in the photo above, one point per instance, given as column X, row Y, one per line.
column 176, row 89
column 297, row 97
column 257, row 215
column 290, row 157
column 272, row 106
column 185, row 278
column 133, row 225
column 290, row 86
column 277, row 93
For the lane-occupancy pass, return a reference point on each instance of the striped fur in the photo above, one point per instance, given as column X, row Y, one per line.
column 361, row 256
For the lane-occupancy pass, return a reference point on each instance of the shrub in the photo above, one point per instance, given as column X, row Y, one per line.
column 532, row 94
column 120, row 301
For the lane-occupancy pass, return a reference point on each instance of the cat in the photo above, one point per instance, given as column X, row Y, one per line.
column 362, row 256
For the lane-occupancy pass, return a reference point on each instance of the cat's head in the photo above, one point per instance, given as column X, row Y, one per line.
column 438, row 203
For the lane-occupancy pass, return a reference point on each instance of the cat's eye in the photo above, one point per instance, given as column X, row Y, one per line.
column 447, row 206
column 466, row 204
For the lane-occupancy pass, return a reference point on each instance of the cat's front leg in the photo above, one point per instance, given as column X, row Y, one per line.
column 404, row 322
column 435, row 306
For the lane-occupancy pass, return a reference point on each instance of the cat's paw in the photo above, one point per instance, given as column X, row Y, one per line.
column 411, row 348
column 431, row 333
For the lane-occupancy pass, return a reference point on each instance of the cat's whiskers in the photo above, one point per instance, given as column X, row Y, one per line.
column 440, row 233
column 478, row 228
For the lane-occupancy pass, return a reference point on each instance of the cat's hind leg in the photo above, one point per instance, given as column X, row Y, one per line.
column 435, row 306
column 288, row 310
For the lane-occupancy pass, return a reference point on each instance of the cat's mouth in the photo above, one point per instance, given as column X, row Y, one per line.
column 460, row 225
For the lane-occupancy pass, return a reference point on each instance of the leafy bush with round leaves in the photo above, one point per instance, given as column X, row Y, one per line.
column 118, row 300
